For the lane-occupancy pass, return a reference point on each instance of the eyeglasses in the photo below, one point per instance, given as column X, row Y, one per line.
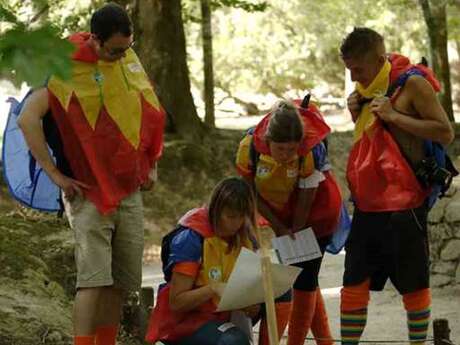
column 119, row 51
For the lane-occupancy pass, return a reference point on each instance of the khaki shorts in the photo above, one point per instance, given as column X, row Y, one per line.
column 108, row 249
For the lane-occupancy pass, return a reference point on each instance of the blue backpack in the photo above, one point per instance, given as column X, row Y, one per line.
column 26, row 180
column 436, row 170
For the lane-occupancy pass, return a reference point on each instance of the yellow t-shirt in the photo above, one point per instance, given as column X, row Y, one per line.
column 274, row 181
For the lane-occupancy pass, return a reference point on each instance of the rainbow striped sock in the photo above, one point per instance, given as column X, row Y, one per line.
column 417, row 322
column 352, row 325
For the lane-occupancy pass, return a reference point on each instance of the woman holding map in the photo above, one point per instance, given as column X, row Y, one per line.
column 198, row 257
column 284, row 158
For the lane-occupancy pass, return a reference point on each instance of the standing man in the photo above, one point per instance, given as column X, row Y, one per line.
column 110, row 129
column 388, row 237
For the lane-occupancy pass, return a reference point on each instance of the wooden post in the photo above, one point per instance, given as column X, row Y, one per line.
column 441, row 332
column 146, row 298
column 265, row 263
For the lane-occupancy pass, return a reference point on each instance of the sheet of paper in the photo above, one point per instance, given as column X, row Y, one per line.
column 245, row 288
column 304, row 248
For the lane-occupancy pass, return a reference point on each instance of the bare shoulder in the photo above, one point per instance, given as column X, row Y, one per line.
column 418, row 86
column 37, row 102
column 39, row 95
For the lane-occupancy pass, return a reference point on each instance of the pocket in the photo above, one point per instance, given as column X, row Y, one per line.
column 75, row 204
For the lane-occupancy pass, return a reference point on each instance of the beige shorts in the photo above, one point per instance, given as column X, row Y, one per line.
column 108, row 249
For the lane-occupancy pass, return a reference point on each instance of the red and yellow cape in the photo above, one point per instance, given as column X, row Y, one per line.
column 111, row 123
column 379, row 177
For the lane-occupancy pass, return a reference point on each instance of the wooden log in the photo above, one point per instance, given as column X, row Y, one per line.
column 441, row 332
column 265, row 263
column 146, row 298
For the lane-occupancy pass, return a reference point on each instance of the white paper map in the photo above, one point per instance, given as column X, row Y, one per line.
column 245, row 287
column 304, row 248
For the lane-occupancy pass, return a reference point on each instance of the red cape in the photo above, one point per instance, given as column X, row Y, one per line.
column 102, row 157
column 379, row 177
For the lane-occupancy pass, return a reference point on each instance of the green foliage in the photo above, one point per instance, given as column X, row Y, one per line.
column 191, row 8
column 32, row 55
column 7, row 15
column 32, row 46
column 245, row 5
column 294, row 45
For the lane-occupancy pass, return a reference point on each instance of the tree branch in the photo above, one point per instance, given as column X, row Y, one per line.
column 39, row 14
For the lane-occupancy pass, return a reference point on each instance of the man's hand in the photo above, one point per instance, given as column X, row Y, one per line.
column 148, row 185
column 382, row 107
column 69, row 186
column 353, row 105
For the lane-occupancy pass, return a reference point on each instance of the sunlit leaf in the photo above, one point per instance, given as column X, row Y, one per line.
column 32, row 56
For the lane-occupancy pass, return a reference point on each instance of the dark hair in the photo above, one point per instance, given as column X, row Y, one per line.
column 285, row 124
column 235, row 194
column 360, row 42
column 109, row 20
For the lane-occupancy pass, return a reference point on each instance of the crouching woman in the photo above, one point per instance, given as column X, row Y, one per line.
column 198, row 257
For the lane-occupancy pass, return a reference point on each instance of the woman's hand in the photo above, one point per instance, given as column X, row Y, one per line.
column 283, row 230
column 252, row 311
column 217, row 287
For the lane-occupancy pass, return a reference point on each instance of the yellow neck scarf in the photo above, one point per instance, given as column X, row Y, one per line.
column 377, row 88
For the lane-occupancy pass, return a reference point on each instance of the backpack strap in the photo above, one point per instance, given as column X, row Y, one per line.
column 254, row 155
column 401, row 81
column 166, row 247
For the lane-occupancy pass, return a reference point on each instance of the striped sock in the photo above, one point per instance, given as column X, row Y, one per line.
column 352, row 325
column 417, row 322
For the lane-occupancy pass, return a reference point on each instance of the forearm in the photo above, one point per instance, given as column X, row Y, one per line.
column 264, row 209
column 35, row 138
column 302, row 208
column 424, row 128
column 191, row 299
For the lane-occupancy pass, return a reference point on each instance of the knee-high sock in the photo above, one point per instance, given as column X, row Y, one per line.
column 417, row 305
column 353, row 312
column 106, row 335
column 84, row 340
column 320, row 323
column 303, row 309
column 283, row 310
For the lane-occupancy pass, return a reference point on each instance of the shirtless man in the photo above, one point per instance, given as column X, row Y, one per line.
column 388, row 238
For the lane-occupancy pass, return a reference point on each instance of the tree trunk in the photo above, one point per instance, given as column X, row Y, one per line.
column 160, row 44
column 206, row 28
column 434, row 13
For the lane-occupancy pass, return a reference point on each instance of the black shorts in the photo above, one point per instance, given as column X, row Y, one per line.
column 308, row 277
column 386, row 245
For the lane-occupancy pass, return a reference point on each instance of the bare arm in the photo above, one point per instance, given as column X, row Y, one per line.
column 433, row 123
column 30, row 122
column 264, row 209
column 183, row 297
column 305, row 199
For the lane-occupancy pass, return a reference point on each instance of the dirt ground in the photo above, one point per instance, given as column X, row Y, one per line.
column 386, row 318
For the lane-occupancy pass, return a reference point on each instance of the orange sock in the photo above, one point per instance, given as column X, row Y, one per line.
column 320, row 323
column 106, row 335
column 84, row 339
column 303, row 309
column 283, row 309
